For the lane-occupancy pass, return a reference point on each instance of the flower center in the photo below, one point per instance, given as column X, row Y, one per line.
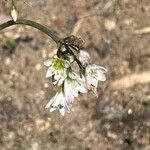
column 94, row 73
column 58, row 64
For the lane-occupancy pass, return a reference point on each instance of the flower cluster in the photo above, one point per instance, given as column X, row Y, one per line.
column 71, row 84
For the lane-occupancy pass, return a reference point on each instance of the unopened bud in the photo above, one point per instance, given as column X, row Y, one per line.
column 14, row 14
column 84, row 57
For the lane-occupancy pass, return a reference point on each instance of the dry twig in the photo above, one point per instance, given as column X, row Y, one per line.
column 144, row 30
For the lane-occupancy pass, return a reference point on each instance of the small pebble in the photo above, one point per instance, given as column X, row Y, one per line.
column 8, row 61
column 109, row 24
column 38, row 67
column 130, row 111
column 46, row 85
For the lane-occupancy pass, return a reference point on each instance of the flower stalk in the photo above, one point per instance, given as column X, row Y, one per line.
column 33, row 24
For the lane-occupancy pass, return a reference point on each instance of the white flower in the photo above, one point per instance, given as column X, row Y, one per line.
column 59, row 102
column 72, row 86
column 64, row 99
column 14, row 14
column 94, row 73
column 57, row 68
column 84, row 57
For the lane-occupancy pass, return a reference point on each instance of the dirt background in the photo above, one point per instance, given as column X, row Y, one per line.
column 117, row 35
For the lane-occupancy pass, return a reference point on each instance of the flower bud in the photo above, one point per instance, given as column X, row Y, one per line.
column 14, row 14
column 84, row 57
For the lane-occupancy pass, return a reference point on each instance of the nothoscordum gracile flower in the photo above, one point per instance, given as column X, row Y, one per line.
column 59, row 101
column 71, row 84
column 57, row 68
column 95, row 73
column 63, row 100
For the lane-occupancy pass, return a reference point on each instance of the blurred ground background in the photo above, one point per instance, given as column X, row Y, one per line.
column 117, row 35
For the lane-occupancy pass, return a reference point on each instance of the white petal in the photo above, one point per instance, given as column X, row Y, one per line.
column 74, row 88
column 57, row 100
column 88, row 68
column 51, row 100
column 62, row 99
column 101, row 77
column 60, row 82
column 82, row 89
column 74, row 91
column 70, row 99
column 68, row 90
column 88, row 78
column 57, row 77
column 94, row 82
column 62, row 111
column 47, row 62
column 102, row 69
column 52, row 109
column 50, row 72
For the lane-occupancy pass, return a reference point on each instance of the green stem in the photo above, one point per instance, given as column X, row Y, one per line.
column 33, row 24
column 12, row 2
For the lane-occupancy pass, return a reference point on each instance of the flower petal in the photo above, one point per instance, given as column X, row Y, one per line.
column 102, row 69
column 51, row 100
column 50, row 72
column 62, row 111
column 52, row 109
column 101, row 77
column 47, row 62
